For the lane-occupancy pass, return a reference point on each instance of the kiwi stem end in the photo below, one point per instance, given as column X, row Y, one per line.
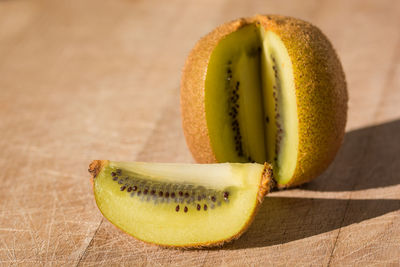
column 267, row 182
column 95, row 168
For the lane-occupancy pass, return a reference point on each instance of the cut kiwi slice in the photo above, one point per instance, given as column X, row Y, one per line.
column 265, row 89
column 180, row 205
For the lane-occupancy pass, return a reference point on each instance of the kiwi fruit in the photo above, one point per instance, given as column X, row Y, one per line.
column 265, row 89
column 180, row 205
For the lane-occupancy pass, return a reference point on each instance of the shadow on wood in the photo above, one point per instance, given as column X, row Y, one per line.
column 369, row 158
column 284, row 219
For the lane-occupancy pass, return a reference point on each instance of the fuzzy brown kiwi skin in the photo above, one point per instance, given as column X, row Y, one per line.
column 266, row 184
column 321, row 103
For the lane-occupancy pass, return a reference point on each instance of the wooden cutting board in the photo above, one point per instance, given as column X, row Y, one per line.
column 84, row 80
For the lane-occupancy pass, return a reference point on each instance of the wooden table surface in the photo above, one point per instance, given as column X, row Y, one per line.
column 84, row 80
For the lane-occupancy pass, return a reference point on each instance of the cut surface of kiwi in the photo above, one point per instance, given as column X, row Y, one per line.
column 250, row 101
column 265, row 89
column 180, row 205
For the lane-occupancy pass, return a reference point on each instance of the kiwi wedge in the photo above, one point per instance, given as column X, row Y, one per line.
column 180, row 205
column 265, row 89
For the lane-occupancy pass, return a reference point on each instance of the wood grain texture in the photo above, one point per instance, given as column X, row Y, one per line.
column 84, row 80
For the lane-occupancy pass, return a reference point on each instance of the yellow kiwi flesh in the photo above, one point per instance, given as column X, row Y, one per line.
column 249, row 81
column 232, row 95
column 281, row 127
column 265, row 89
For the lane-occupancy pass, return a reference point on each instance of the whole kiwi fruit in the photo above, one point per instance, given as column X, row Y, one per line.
column 267, row 88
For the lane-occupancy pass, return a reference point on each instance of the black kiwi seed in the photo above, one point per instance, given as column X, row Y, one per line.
column 113, row 174
column 152, row 192
column 185, row 209
column 198, row 207
column 118, row 171
column 198, row 198
column 167, row 194
column 267, row 119
column 173, row 194
column 205, row 207
column 180, row 193
column 177, row 208
column 186, row 195
column 129, row 189
column 134, row 188
column 160, row 193
column 115, row 178
column 213, row 199
column 226, row 195
column 139, row 192
column 123, row 187
column 145, row 191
